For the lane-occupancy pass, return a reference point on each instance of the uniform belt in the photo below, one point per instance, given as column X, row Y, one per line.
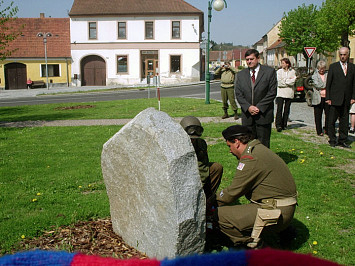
column 277, row 202
column 282, row 202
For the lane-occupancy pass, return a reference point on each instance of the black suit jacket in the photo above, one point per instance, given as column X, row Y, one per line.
column 265, row 89
column 340, row 89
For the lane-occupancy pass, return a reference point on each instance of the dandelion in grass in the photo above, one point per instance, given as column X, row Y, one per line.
column 39, row 194
column 23, row 236
column 301, row 160
column 89, row 185
column 332, row 157
column 301, row 152
column 80, row 186
column 34, row 200
column 321, row 153
column 315, row 243
column 315, row 252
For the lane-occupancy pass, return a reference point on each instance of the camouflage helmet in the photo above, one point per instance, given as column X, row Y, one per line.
column 192, row 126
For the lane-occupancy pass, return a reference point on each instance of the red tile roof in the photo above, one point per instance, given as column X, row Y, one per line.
column 28, row 45
column 131, row 7
column 279, row 43
column 228, row 55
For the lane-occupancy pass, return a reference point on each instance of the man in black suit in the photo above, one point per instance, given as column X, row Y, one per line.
column 255, row 91
column 340, row 94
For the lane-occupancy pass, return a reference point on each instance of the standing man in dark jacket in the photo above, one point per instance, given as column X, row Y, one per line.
column 340, row 94
column 227, row 88
column 255, row 91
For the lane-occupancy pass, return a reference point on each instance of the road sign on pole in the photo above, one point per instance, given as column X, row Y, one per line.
column 310, row 51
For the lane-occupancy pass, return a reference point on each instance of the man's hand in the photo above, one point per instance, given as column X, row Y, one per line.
column 352, row 101
column 329, row 102
column 253, row 110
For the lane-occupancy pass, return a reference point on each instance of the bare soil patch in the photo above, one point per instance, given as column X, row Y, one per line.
column 74, row 107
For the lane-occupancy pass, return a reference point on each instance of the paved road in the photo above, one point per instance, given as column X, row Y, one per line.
column 300, row 112
column 41, row 96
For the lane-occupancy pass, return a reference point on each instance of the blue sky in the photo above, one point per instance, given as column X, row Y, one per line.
column 242, row 22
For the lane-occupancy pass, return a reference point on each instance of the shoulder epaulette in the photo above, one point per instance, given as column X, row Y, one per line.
column 247, row 157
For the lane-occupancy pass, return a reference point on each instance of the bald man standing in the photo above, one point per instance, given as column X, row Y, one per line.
column 340, row 94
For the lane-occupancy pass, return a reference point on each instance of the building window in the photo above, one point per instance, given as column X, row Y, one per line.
column 92, row 31
column 53, row 70
column 175, row 63
column 122, row 30
column 149, row 32
column 122, row 64
column 175, row 30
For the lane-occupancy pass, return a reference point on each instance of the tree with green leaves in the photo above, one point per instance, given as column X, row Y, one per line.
column 336, row 21
column 7, row 33
column 298, row 30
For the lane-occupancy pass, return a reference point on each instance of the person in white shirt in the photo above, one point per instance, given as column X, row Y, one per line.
column 286, row 78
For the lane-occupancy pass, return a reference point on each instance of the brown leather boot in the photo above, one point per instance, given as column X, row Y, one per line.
column 225, row 115
column 236, row 117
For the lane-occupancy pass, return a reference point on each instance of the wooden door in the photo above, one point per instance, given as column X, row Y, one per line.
column 15, row 76
column 150, row 67
column 93, row 71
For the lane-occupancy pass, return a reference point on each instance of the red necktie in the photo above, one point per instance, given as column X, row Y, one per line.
column 253, row 76
column 344, row 69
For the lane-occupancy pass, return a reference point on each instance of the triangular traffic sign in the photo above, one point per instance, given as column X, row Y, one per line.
column 310, row 51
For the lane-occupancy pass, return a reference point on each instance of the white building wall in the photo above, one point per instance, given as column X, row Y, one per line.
column 107, row 29
column 135, row 28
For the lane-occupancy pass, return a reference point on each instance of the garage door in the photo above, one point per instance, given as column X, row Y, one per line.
column 15, row 76
column 93, row 71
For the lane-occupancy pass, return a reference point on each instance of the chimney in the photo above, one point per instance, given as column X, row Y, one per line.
column 41, row 15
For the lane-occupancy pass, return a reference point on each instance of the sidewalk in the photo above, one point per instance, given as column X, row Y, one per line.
column 12, row 94
column 9, row 94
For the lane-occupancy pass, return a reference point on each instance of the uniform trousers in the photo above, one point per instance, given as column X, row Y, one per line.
column 228, row 94
column 282, row 115
column 214, row 180
column 318, row 113
column 341, row 113
column 237, row 221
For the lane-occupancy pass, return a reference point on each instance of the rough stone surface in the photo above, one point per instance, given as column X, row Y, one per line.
column 156, row 198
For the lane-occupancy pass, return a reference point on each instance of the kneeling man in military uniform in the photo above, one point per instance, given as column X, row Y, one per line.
column 265, row 180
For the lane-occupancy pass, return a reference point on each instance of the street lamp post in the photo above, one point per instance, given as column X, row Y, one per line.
column 218, row 5
column 45, row 36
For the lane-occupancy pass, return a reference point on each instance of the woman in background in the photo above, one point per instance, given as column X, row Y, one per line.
column 286, row 78
column 319, row 78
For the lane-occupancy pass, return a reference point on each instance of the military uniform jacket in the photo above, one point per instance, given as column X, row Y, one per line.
column 261, row 95
column 200, row 147
column 260, row 174
column 227, row 76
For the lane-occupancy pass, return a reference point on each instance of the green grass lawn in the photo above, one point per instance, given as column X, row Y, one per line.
column 176, row 107
column 51, row 176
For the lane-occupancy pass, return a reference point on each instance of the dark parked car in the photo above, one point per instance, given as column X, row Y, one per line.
column 302, row 84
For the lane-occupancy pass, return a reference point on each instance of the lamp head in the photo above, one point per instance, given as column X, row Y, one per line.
column 218, row 5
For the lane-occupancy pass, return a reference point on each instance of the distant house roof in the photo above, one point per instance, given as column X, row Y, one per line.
column 239, row 52
column 29, row 45
column 279, row 43
column 219, row 56
column 261, row 41
column 228, row 55
column 131, row 7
